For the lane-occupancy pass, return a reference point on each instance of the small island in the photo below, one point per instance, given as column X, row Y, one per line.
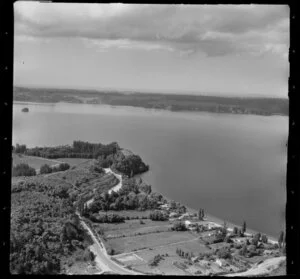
column 82, row 209
column 25, row 110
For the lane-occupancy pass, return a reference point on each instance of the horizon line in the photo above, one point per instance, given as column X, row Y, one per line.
column 157, row 92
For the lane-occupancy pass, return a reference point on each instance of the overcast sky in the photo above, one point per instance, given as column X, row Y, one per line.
column 204, row 49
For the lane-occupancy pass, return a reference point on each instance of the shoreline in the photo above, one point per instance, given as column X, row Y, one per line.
column 146, row 108
column 212, row 218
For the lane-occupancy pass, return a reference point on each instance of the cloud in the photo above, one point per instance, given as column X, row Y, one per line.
column 213, row 29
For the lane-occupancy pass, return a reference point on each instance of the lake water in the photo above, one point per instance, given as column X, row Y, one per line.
column 233, row 166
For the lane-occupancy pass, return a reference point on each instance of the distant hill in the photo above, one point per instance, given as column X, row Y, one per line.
column 172, row 102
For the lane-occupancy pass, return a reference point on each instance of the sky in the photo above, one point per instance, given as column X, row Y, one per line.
column 227, row 50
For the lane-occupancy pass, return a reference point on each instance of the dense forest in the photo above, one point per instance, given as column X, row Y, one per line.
column 79, row 149
column 173, row 102
column 45, row 231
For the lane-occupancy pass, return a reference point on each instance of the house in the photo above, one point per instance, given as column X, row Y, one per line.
column 240, row 240
column 165, row 206
column 173, row 215
column 185, row 216
column 267, row 252
column 187, row 223
column 221, row 262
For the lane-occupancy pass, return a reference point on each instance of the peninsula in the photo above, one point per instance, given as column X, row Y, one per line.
column 80, row 209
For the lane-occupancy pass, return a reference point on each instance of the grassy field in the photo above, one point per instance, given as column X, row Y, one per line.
column 140, row 260
column 134, row 228
column 129, row 244
column 34, row 162
column 37, row 162
column 73, row 161
column 82, row 268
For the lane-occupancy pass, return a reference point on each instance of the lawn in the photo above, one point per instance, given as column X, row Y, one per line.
column 134, row 228
column 73, row 161
column 82, row 268
column 34, row 162
column 129, row 244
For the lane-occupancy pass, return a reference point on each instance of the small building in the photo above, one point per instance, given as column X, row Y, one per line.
column 221, row 262
column 187, row 223
column 185, row 216
column 173, row 215
column 267, row 252
column 239, row 240
column 165, row 206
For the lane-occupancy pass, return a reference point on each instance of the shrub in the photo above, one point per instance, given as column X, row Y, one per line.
column 224, row 253
column 23, row 170
column 243, row 251
column 20, row 148
column 179, row 226
column 158, row 215
column 63, row 167
column 155, row 260
column 264, row 238
column 45, row 169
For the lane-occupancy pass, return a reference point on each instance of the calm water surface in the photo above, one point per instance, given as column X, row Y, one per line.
column 233, row 166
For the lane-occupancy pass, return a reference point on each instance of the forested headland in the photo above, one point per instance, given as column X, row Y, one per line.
column 108, row 155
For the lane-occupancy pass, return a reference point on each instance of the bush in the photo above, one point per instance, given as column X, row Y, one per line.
column 243, row 251
column 45, row 169
column 63, row 167
column 20, row 148
column 264, row 239
column 179, row 226
column 110, row 218
column 23, row 170
column 158, row 215
column 224, row 253
column 155, row 260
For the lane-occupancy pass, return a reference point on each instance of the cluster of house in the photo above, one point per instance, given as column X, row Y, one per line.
column 190, row 219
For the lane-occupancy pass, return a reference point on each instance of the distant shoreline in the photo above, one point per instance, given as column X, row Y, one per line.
column 144, row 108
column 172, row 102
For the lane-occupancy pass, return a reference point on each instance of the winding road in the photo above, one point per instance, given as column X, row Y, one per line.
column 102, row 258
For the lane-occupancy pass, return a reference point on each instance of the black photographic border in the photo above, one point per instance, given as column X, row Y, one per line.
column 6, row 101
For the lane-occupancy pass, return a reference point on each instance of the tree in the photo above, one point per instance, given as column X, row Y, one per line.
column 244, row 227
column 256, row 239
column 240, row 233
column 280, row 239
column 244, row 250
column 197, row 228
column 224, row 230
column 201, row 214
column 235, row 231
column 264, row 239
column 179, row 226
column 158, row 215
column 23, row 170
column 224, row 253
column 20, row 148
column 45, row 169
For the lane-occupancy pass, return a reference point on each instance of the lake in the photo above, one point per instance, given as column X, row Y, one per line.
column 233, row 166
